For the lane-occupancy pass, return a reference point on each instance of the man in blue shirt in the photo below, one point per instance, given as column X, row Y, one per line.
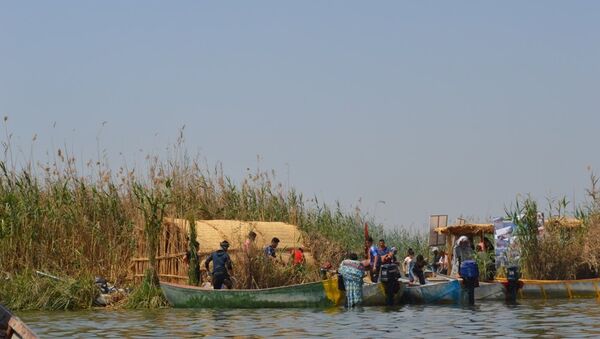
column 221, row 267
column 381, row 251
column 270, row 250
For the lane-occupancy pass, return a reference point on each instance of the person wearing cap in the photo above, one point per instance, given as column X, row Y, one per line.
column 221, row 267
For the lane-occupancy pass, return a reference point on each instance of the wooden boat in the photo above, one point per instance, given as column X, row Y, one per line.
column 435, row 291
column 449, row 292
column 12, row 327
column 316, row 294
column 560, row 289
column 490, row 291
column 445, row 289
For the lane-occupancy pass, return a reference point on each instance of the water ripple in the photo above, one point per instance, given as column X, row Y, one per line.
column 560, row 318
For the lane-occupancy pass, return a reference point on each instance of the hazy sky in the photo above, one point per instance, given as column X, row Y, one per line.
column 433, row 107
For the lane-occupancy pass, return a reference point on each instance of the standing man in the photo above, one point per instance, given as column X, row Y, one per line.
column 270, row 250
column 435, row 264
column 371, row 255
column 250, row 254
column 249, row 244
column 462, row 252
column 352, row 272
column 221, row 267
column 381, row 252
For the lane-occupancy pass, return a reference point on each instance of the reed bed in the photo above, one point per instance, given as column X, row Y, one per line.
column 561, row 253
column 56, row 219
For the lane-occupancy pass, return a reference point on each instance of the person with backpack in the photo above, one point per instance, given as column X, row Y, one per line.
column 221, row 267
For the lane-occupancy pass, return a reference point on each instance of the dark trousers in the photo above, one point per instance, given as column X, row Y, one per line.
column 375, row 275
column 220, row 279
column 419, row 275
column 391, row 287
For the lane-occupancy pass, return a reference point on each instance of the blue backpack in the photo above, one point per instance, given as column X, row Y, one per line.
column 469, row 269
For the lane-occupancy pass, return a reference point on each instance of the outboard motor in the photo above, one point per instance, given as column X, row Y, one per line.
column 102, row 284
column 389, row 278
column 469, row 272
column 340, row 282
column 512, row 284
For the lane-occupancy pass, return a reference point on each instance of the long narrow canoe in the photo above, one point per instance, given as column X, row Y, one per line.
column 445, row 289
column 451, row 291
column 317, row 294
column 12, row 327
column 560, row 289
column 489, row 291
column 434, row 292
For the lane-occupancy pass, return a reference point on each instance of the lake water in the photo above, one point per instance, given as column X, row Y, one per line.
column 556, row 318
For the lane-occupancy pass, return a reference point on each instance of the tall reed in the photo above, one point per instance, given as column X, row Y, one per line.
column 559, row 252
column 59, row 217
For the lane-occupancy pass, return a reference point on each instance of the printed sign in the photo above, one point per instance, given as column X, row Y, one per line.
column 507, row 251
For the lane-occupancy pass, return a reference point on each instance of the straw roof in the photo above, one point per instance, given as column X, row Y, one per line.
column 566, row 222
column 466, row 229
column 212, row 232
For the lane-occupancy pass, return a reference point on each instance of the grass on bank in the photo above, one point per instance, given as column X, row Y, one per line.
column 29, row 291
column 81, row 222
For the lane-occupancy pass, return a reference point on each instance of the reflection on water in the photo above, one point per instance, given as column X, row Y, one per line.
column 557, row 318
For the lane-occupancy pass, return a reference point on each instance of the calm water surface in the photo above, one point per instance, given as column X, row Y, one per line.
column 557, row 318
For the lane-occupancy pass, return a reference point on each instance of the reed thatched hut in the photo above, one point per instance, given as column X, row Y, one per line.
column 173, row 243
column 475, row 231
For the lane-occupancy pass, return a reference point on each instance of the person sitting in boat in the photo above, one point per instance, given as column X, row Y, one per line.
column 352, row 271
column 462, row 252
column 270, row 250
column 407, row 264
column 382, row 251
column 221, row 267
column 418, row 269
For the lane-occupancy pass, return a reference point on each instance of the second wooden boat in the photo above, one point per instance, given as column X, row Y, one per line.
column 13, row 327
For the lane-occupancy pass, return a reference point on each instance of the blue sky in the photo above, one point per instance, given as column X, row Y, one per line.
column 433, row 107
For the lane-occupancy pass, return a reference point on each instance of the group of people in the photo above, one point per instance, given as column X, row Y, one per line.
column 222, row 264
column 381, row 265
column 377, row 256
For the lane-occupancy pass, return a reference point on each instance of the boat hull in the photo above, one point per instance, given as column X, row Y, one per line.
column 434, row 293
column 452, row 291
column 318, row 294
column 560, row 289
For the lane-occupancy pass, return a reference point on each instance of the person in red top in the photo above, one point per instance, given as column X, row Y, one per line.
column 297, row 256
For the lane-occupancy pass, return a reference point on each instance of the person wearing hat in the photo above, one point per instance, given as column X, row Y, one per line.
column 462, row 251
column 221, row 267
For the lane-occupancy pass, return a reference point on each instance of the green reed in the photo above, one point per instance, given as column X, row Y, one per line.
column 55, row 218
